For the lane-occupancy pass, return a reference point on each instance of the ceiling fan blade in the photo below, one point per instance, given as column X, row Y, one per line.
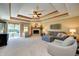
column 38, row 16
column 39, row 13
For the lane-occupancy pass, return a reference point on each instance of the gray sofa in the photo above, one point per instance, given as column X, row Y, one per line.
column 53, row 35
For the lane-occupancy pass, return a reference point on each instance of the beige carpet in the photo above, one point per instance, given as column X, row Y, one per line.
column 33, row 46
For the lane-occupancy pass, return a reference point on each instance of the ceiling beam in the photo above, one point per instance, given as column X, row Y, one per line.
column 26, row 17
column 64, row 14
column 14, row 18
column 50, row 13
column 60, row 15
column 23, row 16
column 19, row 19
column 39, row 20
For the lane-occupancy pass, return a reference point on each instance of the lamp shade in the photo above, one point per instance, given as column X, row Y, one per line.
column 72, row 30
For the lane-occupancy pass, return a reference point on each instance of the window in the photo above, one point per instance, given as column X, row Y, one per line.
column 26, row 30
column 1, row 27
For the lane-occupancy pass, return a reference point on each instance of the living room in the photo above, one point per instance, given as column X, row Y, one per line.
column 33, row 25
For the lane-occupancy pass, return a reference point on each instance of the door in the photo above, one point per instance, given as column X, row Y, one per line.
column 14, row 30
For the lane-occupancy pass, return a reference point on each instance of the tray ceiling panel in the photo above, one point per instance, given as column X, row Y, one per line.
column 61, row 7
column 73, row 9
column 43, row 8
column 15, row 7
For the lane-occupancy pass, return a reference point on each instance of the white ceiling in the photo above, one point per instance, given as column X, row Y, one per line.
column 27, row 8
column 4, row 11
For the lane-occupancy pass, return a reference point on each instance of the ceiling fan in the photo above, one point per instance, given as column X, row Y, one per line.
column 37, row 12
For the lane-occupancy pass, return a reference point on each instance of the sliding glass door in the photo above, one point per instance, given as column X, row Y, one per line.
column 14, row 30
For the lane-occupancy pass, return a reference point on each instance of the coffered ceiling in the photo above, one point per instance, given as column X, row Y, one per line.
column 24, row 11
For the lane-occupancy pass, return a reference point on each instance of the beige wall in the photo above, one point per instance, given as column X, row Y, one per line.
column 66, row 24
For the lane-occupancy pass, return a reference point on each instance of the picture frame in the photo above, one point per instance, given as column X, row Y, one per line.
column 55, row 26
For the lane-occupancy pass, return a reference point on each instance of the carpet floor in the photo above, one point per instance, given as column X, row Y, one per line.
column 33, row 46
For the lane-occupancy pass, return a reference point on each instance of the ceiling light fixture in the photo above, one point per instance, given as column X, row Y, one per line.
column 34, row 16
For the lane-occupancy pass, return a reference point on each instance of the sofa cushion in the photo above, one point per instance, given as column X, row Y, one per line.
column 63, row 38
column 68, row 41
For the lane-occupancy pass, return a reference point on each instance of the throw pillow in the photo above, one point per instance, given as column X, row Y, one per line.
column 59, row 35
column 63, row 35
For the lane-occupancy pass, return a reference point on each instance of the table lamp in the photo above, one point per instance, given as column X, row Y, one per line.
column 72, row 31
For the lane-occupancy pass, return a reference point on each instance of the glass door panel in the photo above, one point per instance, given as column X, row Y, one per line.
column 11, row 30
column 14, row 30
column 17, row 30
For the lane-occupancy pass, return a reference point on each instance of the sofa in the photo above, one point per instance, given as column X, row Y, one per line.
column 60, row 35
column 67, row 47
column 51, row 36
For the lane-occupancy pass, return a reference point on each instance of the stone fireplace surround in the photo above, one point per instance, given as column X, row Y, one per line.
column 36, row 28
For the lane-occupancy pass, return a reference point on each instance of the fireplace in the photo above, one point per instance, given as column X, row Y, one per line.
column 36, row 31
